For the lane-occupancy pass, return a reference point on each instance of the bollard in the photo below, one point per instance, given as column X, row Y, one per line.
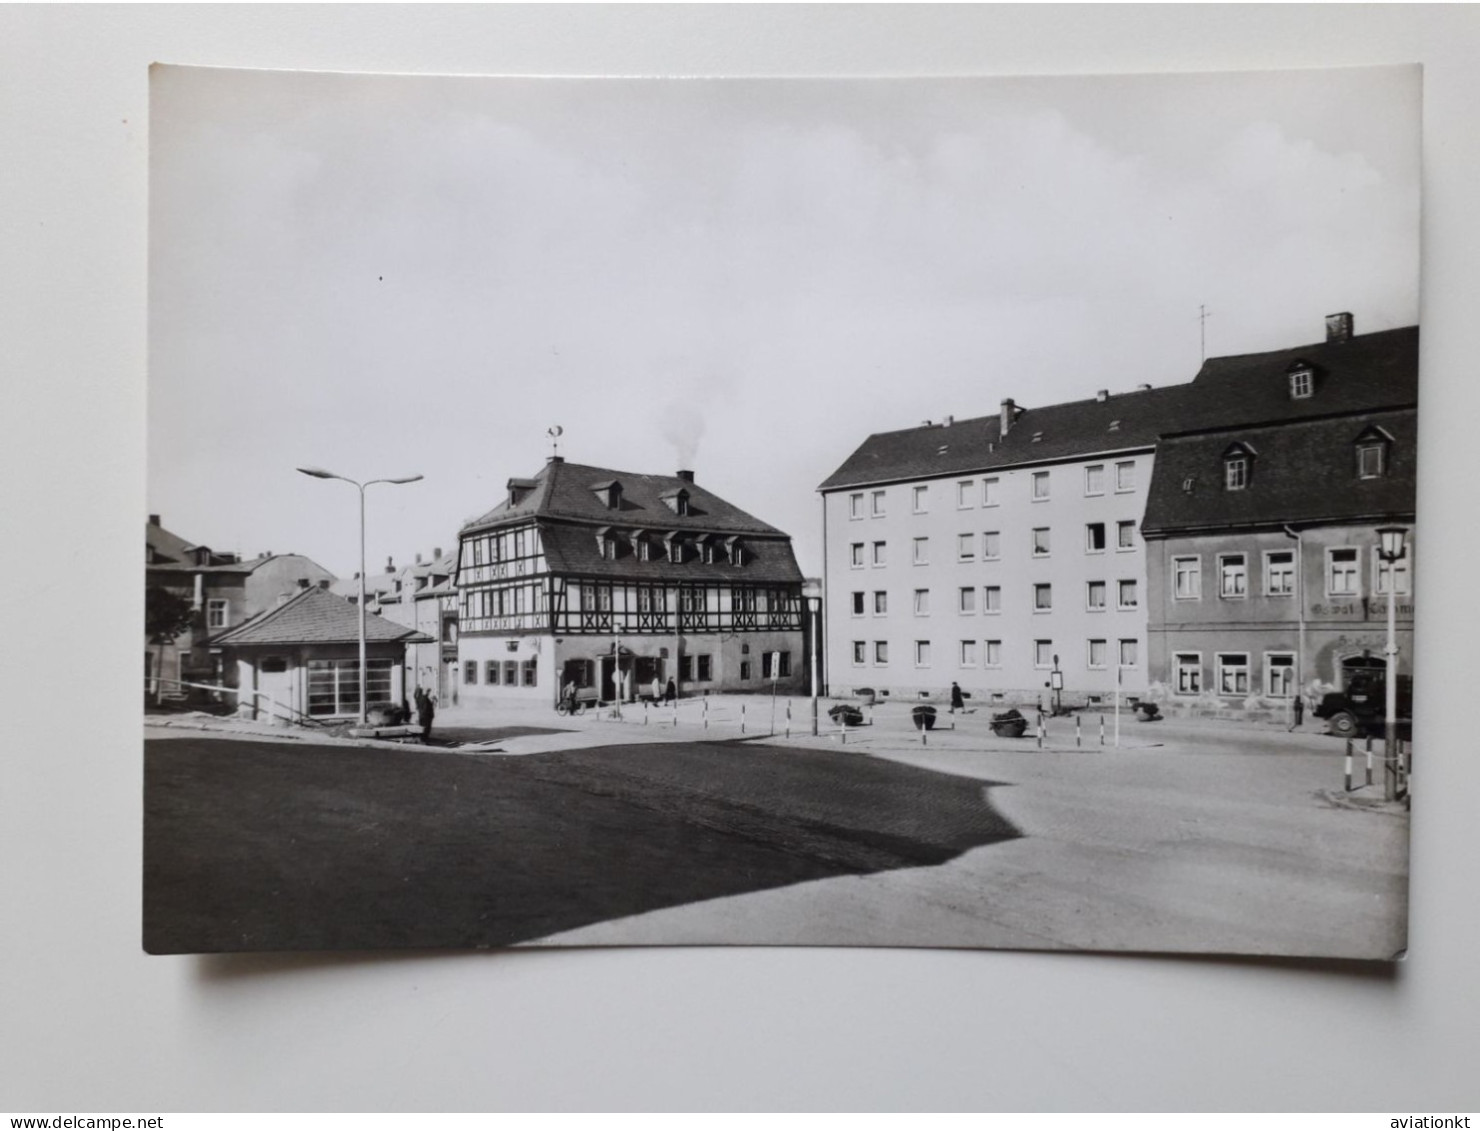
column 1369, row 759
column 1348, row 765
column 1077, row 741
column 644, row 712
column 1102, row 730
column 706, row 714
column 1040, row 730
column 788, row 718
column 742, row 718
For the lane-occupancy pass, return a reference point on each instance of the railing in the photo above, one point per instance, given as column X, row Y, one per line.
column 273, row 708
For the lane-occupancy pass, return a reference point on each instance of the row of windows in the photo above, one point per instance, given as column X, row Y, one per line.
column 1127, row 596
column 1373, row 449
column 1231, row 674
column 989, row 542
column 513, row 672
column 988, row 653
column 1343, row 574
column 987, row 492
column 509, row 545
column 707, row 549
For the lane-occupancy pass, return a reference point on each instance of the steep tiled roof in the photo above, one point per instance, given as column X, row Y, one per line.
column 569, row 491
column 1366, row 372
column 573, row 549
column 1302, row 472
column 316, row 616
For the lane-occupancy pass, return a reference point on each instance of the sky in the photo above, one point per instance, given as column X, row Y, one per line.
column 397, row 275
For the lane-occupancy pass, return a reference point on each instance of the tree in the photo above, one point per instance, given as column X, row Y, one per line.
column 166, row 614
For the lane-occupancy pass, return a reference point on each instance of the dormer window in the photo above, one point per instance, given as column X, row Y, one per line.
column 1372, row 453
column 610, row 494
column 735, row 551
column 675, row 548
column 1238, row 467
column 519, row 490
column 678, row 501
column 1302, row 381
column 705, row 546
column 606, row 544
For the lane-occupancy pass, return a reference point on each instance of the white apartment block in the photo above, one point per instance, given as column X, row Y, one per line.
column 993, row 553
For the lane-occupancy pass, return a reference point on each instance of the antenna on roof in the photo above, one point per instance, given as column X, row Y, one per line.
column 1203, row 314
column 554, row 432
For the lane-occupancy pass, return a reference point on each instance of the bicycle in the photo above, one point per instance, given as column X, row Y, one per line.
column 570, row 707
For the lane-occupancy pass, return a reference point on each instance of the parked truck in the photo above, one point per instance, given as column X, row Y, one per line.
column 1361, row 708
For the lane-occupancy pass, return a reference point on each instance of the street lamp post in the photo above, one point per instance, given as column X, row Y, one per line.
column 1391, row 550
column 320, row 473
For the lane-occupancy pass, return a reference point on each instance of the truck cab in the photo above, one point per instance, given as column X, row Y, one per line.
column 1361, row 708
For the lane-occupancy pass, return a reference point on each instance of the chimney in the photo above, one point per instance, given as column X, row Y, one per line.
column 1143, row 388
column 686, row 475
column 1339, row 327
column 1102, row 395
column 154, row 520
column 948, row 421
column 554, row 459
column 418, row 557
column 1009, row 414
column 436, row 553
column 390, row 565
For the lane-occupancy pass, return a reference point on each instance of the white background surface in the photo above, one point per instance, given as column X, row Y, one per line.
column 91, row 1023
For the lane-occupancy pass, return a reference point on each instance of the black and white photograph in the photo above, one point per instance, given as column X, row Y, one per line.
column 839, row 512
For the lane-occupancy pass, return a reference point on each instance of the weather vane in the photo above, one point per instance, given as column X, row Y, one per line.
column 554, row 432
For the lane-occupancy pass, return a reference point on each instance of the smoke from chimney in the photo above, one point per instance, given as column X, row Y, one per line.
column 682, row 425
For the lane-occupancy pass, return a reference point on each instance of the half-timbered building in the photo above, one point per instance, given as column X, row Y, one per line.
column 620, row 582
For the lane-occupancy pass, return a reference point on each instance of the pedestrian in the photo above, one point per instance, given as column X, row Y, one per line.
column 426, row 708
column 657, row 689
column 568, row 694
column 1299, row 708
column 671, row 694
column 958, row 701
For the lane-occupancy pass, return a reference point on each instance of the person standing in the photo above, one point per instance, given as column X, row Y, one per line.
column 671, row 694
column 958, row 701
column 426, row 709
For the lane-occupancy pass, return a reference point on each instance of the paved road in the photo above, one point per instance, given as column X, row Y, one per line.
column 259, row 845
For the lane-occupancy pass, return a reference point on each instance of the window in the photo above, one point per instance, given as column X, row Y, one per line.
column 1043, row 653
column 966, row 599
column 1042, row 598
column 881, row 602
column 1126, row 595
column 855, row 505
column 1094, row 596
column 964, row 492
column 1125, row 476
column 1094, row 538
column 1342, row 570
column 858, row 603
column 706, row 668
column 881, row 651
column 675, row 551
column 1187, row 579
column 922, row 602
column 491, row 672
column 1279, row 675
column 855, row 555
column 1040, row 486
column 990, row 492
column 992, row 599
column 860, row 652
column 1301, row 385
column 1040, row 542
column 1129, row 653
column 1096, row 655
column 920, row 499
column 968, row 653
column 1233, row 673
column 775, row 665
column 991, row 546
column 470, row 672
column 965, row 547
column 881, row 556
column 334, row 685
column 878, row 504
column 686, row 669
column 644, row 550
column 1233, row 576
column 1279, row 573
column 1188, row 673
column 745, row 668
column 1125, row 535
column 1391, row 576
column 530, row 668
column 922, row 653
column 1094, row 479
column 1371, row 461
column 922, row 551
column 992, row 654
column 511, row 673
column 216, row 612
column 1235, row 472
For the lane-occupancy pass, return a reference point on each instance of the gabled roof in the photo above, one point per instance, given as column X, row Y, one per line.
column 1366, row 372
column 568, row 491
column 1302, row 472
column 316, row 616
